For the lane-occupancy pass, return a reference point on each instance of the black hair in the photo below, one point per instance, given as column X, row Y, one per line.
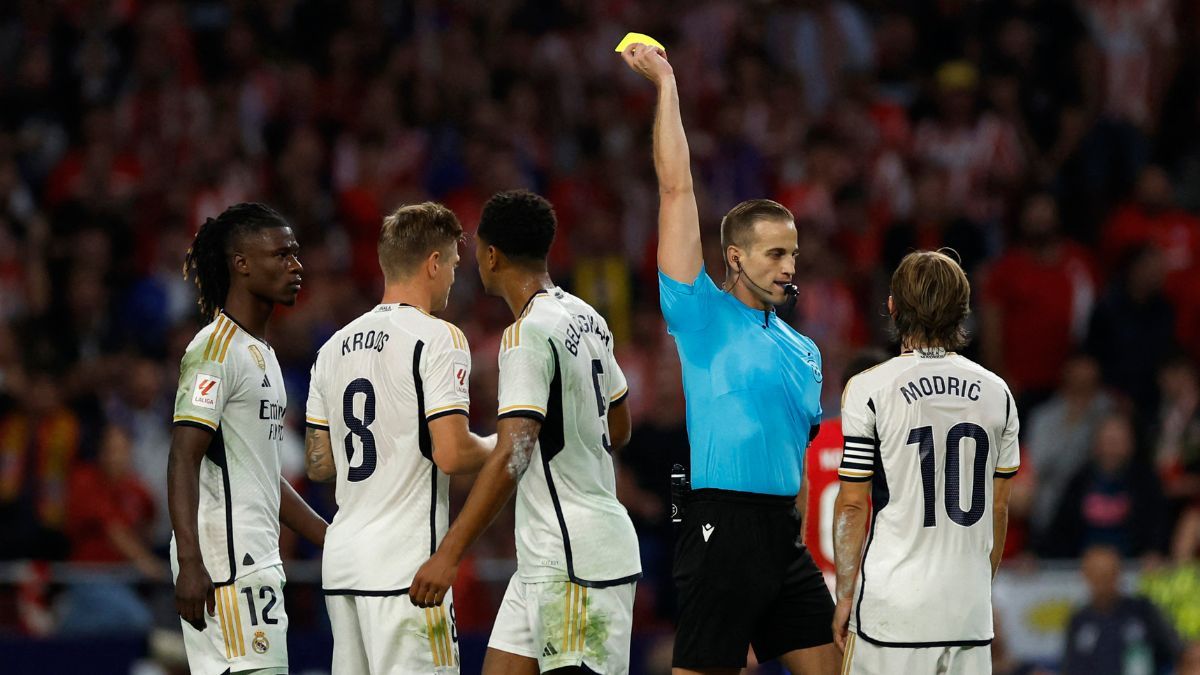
column 207, row 261
column 519, row 223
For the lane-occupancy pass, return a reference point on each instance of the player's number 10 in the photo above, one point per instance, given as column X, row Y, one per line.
column 922, row 437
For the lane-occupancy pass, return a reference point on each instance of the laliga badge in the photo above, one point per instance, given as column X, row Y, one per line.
column 260, row 642
column 258, row 357
column 461, row 385
column 204, row 391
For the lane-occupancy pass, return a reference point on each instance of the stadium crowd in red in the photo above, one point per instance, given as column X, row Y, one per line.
column 1051, row 143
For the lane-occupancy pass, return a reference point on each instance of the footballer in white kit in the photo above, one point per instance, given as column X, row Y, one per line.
column 561, row 414
column 577, row 552
column 387, row 416
column 230, row 383
column 375, row 387
column 934, row 436
column 225, row 492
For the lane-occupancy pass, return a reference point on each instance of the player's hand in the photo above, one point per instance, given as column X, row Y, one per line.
column 432, row 581
column 841, row 622
column 649, row 62
column 194, row 593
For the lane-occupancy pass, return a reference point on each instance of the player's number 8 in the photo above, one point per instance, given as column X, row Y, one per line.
column 922, row 437
column 358, row 427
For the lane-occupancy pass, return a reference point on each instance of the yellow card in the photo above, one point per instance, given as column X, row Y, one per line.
column 638, row 38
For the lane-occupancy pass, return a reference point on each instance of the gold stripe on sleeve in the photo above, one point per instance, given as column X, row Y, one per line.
column 189, row 418
column 228, row 339
column 455, row 406
column 214, row 337
column 511, row 408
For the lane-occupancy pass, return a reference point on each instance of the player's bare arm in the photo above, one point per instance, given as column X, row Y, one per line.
column 679, row 253
column 1001, row 488
column 318, row 456
column 295, row 513
column 620, row 425
column 455, row 449
column 850, row 512
column 516, row 440
column 194, row 592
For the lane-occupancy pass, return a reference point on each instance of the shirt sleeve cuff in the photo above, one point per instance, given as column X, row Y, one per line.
column 1006, row 471
column 530, row 411
column 198, row 422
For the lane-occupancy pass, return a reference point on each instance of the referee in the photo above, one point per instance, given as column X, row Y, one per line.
column 753, row 391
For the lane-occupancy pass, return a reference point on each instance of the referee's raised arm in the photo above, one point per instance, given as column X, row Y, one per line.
column 679, row 253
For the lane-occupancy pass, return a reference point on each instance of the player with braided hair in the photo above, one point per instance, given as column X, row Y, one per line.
column 224, row 489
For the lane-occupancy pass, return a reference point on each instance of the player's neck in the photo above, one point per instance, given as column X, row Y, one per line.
column 518, row 289
column 909, row 347
column 408, row 295
column 249, row 312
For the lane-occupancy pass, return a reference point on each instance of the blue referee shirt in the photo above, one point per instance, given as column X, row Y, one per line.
column 753, row 393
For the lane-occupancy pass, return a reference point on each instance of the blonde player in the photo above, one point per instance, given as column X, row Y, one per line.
column 224, row 488
column 387, row 417
column 930, row 439
column 569, row 607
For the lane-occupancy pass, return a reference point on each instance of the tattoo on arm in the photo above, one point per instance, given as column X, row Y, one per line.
column 523, row 443
column 849, row 533
column 318, row 456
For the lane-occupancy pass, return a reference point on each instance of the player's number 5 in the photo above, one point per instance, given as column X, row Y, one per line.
column 601, row 401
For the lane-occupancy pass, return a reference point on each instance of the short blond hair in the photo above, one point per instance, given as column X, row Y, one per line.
column 411, row 233
column 931, row 299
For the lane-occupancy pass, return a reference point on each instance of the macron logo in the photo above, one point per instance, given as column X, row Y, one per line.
column 707, row 530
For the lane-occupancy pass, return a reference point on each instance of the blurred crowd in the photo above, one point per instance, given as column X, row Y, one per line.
column 1051, row 143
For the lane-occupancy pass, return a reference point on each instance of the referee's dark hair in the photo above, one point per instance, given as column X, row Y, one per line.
column 520, row 224
column 207, row 260
column 738, row 224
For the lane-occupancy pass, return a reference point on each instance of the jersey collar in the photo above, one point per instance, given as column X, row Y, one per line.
column 540, row 291
column 237, row 323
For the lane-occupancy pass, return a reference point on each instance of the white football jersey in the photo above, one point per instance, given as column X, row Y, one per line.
column 557, row 366
column 929, row 430
column 376, row 385
column 230, row 383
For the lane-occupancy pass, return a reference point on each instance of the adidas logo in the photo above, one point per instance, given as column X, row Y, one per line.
column 549, row 650
column 707, row 530
column 266, row 381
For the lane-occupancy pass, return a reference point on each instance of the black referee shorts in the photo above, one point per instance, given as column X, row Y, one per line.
column 743, row 581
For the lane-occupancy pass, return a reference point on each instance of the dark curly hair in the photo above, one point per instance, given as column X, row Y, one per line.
column 207, row 261
column 519, row 223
